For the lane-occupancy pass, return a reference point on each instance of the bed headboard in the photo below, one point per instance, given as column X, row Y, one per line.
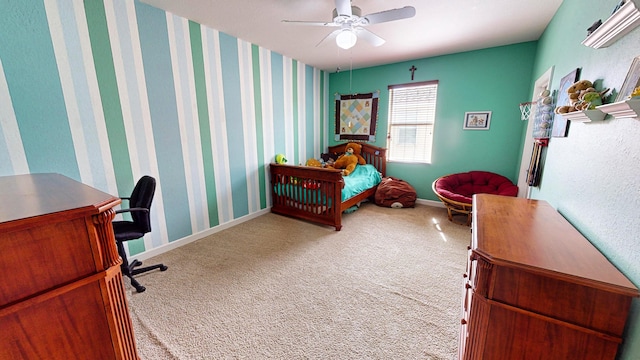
column 374, row 155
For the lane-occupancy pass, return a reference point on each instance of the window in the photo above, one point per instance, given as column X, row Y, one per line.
column 412, row 114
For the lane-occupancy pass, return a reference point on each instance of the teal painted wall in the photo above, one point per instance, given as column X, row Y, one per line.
column 107, row 91
column 495, row 79
column 592, row 175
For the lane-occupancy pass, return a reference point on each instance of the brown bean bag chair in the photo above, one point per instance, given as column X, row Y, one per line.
column 395, row 193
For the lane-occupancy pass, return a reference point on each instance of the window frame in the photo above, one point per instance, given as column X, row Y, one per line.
column 428, row 125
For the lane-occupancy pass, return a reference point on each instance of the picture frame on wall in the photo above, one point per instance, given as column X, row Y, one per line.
column 477, row 120
column 356, row 116
column 560, row 124
column 631, row 82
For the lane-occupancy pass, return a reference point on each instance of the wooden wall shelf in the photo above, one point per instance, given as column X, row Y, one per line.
column 585, row 116
column 622, row 109
column 616, row 26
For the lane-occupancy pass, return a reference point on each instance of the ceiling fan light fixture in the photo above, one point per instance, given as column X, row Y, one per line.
column 346, row 39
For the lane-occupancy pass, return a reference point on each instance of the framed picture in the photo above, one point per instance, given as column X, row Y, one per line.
column 559, row 122
column 356, row 116
column 477, row 120
column 631, row 82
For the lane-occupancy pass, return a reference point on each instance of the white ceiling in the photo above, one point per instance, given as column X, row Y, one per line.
column 439, row 27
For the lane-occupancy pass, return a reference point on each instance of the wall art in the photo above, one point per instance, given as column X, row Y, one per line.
column 631, row 82
column 560, row 124
column 477, row 120
column 356, row 117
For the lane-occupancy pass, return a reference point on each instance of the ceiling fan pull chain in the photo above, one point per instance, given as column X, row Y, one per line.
column 350, row 71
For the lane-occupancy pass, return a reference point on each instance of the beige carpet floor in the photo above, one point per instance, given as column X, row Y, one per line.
column 388, row 286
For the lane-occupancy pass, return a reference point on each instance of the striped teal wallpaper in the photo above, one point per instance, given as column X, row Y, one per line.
column 107, row 91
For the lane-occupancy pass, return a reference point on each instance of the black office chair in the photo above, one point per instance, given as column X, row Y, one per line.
column 139, row 208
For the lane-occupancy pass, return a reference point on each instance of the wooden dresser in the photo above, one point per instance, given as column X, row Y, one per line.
column 62, row 294
column 535, row 288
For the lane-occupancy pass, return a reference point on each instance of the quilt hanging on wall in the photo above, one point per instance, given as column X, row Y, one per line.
column 356, row 116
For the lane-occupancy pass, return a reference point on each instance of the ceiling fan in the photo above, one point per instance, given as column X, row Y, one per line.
column 351, row 23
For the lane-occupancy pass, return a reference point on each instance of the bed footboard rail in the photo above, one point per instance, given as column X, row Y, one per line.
column 308, row 193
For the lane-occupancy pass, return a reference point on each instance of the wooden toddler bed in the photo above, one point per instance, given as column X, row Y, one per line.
column 316, row 194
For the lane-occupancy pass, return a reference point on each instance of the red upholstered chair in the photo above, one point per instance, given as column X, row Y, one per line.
column 456, row 190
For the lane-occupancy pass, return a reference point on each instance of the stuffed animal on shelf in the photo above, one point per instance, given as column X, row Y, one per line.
column 582, row 96
column 349, row 159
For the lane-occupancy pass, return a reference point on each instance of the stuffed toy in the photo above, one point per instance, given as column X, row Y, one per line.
column 349, row 159
column 582, row 96
column 280, row 159
column 314, row 162
column 328, row 158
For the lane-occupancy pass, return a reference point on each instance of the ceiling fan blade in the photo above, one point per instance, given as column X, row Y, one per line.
column 332, row 35
column 391, row 15
column 368, row 36
column 343, row 7
column 310, row 23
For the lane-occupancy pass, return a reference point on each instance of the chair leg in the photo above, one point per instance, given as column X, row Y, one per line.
column 139, row 288
column 449, row 212
column 126, row 270
column 136, row 263
column 129, row 271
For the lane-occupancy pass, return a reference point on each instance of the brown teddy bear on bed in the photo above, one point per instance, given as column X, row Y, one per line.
column 349, row 159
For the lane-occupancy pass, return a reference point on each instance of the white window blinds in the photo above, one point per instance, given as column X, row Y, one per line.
column 412, row 113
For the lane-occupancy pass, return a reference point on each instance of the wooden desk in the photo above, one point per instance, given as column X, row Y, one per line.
column 535, row 288
column 62, row 294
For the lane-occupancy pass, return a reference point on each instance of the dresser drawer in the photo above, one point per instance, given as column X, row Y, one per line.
column 480, row 274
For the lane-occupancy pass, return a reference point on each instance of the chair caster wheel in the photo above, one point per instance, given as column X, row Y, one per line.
column 139, row 288
column 163, row 268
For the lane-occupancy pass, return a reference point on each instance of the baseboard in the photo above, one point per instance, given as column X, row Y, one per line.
column 202, row 234
column 430, row 203
column 197, row 236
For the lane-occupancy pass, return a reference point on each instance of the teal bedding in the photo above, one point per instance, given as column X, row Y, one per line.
column 362, row 178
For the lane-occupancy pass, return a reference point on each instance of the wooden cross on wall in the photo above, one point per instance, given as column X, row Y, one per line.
column 413, row 70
